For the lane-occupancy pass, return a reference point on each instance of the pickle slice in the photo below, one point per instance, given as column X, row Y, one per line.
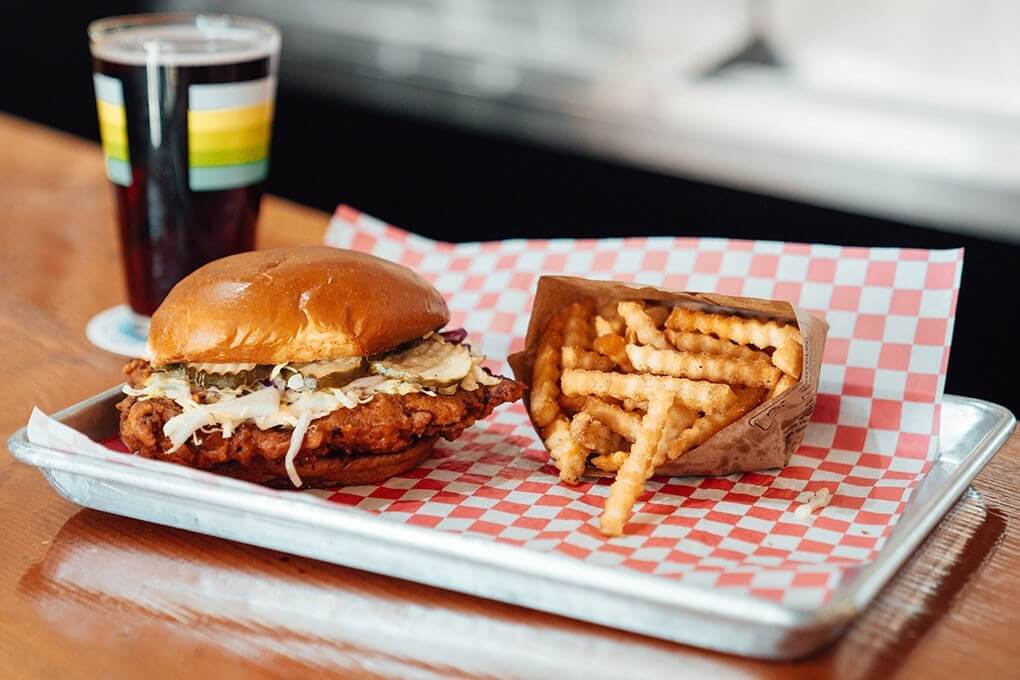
column 334, row 372
column 226, row 381
column 431, row 362
column 340, row 378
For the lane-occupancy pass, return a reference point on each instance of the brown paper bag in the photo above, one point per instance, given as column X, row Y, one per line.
column 765, row 437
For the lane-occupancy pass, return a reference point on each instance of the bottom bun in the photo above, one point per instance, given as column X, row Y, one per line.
column 331, row 471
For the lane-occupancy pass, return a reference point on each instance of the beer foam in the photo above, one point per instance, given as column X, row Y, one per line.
column 209, row 41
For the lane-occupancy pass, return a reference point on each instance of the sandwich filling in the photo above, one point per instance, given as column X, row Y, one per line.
column 219, row 397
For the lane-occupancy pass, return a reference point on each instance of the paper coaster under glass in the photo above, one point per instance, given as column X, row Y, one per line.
column 119, row 330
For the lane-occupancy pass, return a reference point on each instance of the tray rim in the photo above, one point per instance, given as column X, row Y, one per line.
column 825, row 621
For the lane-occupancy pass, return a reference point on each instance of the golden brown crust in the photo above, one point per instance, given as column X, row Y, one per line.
column 331, row 471
column 384, row 424
column 336, row 447
column 298, row 304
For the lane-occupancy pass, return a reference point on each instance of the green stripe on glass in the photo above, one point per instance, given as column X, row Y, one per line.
column 237, row 138
column 216, row 178
column 117, row 152
column 221, row 157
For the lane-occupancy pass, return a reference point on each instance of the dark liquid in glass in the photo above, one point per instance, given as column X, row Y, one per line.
column 166, row 229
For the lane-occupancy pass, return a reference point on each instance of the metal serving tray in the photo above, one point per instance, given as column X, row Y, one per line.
column 972, row 431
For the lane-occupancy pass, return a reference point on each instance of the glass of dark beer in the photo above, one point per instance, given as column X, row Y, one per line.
column 185, row 108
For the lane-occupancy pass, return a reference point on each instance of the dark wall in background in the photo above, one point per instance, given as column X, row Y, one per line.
column 47, row 69
column 453, row 184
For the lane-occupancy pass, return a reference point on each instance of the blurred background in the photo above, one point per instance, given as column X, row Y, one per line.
column 877, row 122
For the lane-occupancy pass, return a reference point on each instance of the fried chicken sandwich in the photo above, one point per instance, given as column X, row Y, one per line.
column 306, row 367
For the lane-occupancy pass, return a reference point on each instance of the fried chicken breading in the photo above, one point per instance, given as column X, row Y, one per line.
column 385, row 424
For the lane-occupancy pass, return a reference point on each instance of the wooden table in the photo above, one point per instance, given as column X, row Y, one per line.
column 89, row 595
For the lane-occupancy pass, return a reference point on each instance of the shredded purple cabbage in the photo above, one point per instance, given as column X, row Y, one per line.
column 456, row 335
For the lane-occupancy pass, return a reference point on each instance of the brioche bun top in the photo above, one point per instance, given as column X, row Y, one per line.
column 298, row 304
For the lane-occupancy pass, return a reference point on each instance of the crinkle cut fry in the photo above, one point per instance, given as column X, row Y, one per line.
column 545, row 374
column 614, row 347
column 577, row 339
column 578, row 357
column 577, row 330
column 789, row 357
column 636, row 467
column 635, row 404
column 609, row 462
column 570, row 404
column 710, row 423
column 607, row 310
column 690, row 341
column 642, row 324
column 785, row 383
column 609, row 326
column 566, row 454
column 680, row 418
column 728, row 327
column 694, row 435
column 720, row 369
column 695, row 394
column 624, row 423
column 594, row 435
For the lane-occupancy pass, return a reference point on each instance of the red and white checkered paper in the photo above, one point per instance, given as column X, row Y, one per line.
column 872, row 438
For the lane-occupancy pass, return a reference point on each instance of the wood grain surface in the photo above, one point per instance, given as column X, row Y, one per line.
column 89, row 595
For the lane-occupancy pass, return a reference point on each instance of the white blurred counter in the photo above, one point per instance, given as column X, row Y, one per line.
column 898, row 109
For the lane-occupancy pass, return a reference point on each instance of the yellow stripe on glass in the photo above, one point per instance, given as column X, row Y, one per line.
column 113, row 128
column 229, row 128
column 226, row 119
